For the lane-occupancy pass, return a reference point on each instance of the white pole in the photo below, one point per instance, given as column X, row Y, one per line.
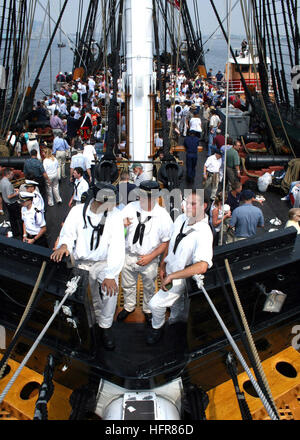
column 139, row 56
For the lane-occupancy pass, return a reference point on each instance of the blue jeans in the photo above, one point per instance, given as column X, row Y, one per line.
column 210, row 148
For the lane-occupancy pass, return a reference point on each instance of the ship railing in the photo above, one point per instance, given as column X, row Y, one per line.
column 236, row 85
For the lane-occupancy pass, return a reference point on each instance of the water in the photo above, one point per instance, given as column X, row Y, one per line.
column 62, row 60
column 215, row 58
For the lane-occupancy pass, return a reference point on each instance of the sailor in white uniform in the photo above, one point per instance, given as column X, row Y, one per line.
column 148, row 233
column 189, row 253
column 34, row 224
column 80, row 186
column 32, row 187
column 94, row 233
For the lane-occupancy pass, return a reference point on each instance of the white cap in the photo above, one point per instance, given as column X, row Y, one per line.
column 25, row 195
column 31, row 183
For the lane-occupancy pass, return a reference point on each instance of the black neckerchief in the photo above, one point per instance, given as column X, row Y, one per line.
column 140, row 229
column 180, row 236
column 76, row 188
column 99, row 229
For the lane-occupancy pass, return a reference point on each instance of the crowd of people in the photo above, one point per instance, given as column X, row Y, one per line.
column 108, row 235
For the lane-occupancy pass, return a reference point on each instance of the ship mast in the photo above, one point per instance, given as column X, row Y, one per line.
column 139, row 78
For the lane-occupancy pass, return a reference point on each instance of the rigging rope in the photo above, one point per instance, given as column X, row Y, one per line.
column 248, row 333
column 276, row 140
column 71, row 288
column 23, row 318
column 273, row 416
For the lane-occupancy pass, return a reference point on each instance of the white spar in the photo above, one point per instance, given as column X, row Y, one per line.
column 139, row 56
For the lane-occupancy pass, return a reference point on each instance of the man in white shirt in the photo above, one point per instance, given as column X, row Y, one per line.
column 91, row 84
column 148, row 233
column 211, row 173
column 80, row 186
column 90, row 153
column 189, row 253
column 34, row 224
column 79, row 160
column 214, row 123
column 94, row 233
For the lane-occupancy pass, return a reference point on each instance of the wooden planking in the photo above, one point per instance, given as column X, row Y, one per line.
column 137, row 315
column 223, row 402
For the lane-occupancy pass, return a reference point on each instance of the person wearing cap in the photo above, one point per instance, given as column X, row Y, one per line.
column 148, row 233
column 32, row 187
column 34, row 224
column 137, row 169
column 189, row 253
column 79, row 160
column 93, row 233
column 247, row 217
column 219, row 139
column 80, row 186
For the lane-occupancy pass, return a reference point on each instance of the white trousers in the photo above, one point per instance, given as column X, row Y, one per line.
column 53, row 190
column 104, row 307
column 130, row 273
column 173, row 298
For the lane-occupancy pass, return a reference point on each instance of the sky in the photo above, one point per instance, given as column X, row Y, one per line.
column 208, row 19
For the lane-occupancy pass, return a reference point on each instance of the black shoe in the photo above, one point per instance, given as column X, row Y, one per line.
column 108, row 338
column 154, row 335
column 123, row 315
column 148, row 317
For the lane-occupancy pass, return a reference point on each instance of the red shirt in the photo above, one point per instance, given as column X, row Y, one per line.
column 219, row 140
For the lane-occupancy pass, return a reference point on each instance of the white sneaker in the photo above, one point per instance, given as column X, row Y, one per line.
column 285, row 198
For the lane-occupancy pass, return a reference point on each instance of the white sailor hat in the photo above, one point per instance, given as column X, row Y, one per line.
column 31, row 183
column 25, row 195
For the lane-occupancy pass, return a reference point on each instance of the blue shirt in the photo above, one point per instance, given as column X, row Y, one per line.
column 60, row 144
column 33, row 167
column 246, row 218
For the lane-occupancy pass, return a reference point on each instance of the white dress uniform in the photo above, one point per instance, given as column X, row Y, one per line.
column 80, row 186
column 194, row 247
column 157, row 230
column 33, row 220
column 38, row 201
column 102, row 255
